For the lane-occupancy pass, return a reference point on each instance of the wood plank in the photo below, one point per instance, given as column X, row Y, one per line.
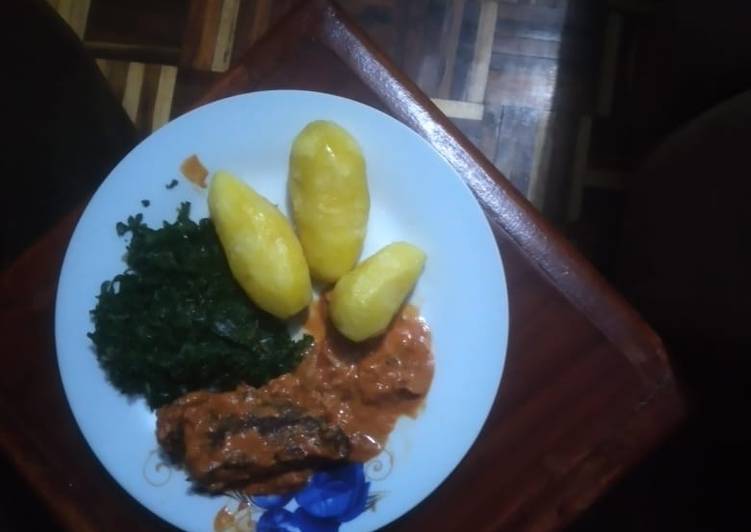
column 138, row 25
column 449, row 44
column 75, row 13
column 117, row 74
column 261, row 20
column 189, row 86
column 478, row 74
column 527, row 30
column 426, row 67
column 225, row 38
column 133, row 86
column 248, row 17
column 147, row 101
column 539, row 15
column 418, row 21
column 143, row 53
column 201, row 30
column 560, row 143
column 541, row 158
column 522, row 81
column 459, row 109
column 490, row 130
column 164, row 94
column 516, row 144
column 545, row 48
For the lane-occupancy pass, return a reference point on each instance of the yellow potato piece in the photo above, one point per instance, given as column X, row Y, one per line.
column 330, row 201
column 366, row 299
column 262, row 249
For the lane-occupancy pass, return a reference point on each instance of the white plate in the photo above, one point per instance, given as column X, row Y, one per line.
column 415, row 196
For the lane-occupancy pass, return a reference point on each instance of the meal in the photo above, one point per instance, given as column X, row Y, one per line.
column 197, row 326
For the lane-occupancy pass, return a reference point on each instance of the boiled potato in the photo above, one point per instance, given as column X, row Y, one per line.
column 263, row 252
column 366, row 299
column 330, row 201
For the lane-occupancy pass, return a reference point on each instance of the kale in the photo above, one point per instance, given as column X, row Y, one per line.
column 177, row 321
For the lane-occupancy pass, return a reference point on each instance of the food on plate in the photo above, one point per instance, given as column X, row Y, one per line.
column 194, row 171
column 195, row 325
column 340, row 403
column 240, row 439
column 263, row 251
column 365, row 300
column 329, row 196
column 176, row 321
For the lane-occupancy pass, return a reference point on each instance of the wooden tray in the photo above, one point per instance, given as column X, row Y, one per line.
column 587, row 390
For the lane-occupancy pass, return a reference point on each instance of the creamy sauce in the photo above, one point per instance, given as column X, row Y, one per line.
column 362, row 387
column 351, row 393
column 194, row 171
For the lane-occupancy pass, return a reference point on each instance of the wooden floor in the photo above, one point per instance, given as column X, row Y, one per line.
column 524, row 79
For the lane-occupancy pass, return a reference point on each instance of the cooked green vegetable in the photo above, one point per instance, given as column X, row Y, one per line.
column 177, row 321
